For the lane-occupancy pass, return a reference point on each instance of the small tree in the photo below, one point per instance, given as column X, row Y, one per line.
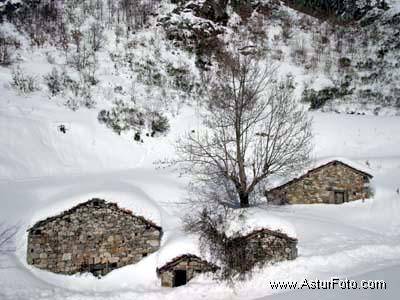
column 254, row 129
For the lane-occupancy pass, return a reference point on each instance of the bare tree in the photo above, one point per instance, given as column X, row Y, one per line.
column 254, row 128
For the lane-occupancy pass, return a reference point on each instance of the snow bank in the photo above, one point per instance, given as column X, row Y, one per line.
column 245, row 221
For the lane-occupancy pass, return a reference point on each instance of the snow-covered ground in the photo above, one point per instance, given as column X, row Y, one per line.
column 44, row 171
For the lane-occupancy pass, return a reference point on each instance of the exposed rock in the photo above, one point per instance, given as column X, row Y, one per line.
column 344, row 10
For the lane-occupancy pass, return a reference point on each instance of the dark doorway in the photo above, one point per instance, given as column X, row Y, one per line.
column 179, row 278
column 339, row 197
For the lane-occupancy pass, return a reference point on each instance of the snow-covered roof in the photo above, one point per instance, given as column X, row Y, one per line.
column 136, row 204
column 95, row 202
column 245, row 221
column 317, row 164
column 176, row 246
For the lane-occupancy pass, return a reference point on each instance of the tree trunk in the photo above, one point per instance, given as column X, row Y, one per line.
column 244, row 199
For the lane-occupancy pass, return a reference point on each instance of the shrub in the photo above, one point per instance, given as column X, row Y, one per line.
column 79, row 92
column 299, row 51
column 317, row 99
column 344, row 62
column 86, row 98
column 22, row 82
column 181, row 77
column 159, row 123
column 54, row 82
column 5, row 53
column 9, row 42
column 122, row 117
column 72, row 103
column 287, row 29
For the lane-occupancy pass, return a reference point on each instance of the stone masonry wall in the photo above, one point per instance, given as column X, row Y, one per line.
column 320, row 186
column 94, row 237
column 265, row 246
column 193, row 266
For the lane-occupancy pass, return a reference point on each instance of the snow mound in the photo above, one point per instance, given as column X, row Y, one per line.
column 178, row 245
column 245, row 221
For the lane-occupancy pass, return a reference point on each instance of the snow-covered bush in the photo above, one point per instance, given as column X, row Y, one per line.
column 287, row 28
column 9, row 42
column 181, row 77
column 72, row 103
column 299, row 51
column 78, row 93
column 148, row 72
column 23, row 82
column 95, row 36
column 122, row 117
column 159, row 123
column 317, row 99
column 5, row 52
column 84, row 59
column 54, row 81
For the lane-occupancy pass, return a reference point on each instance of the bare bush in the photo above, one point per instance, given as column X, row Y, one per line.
column 54, row 82
column 8, row 43
column 23, row 82
column 5, row 52
column 299, row 51
column 287, row 29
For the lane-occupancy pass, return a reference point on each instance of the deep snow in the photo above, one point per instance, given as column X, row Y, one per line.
column 43, row 172
column 345, row 240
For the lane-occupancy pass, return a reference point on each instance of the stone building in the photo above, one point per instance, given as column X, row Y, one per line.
column 265, row 246
column 250, row 243
column 183, row 268
column 334, row 182
column 95, row 236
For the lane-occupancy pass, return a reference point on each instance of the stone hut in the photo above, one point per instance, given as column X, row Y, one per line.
column 183, row 268
column 95, row 236
column 265, row 246
column 334, row 182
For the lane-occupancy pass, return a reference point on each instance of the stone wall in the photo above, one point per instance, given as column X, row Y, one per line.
column 95, row 237
column 265, row 246
column 323, row 185
column 192, row 264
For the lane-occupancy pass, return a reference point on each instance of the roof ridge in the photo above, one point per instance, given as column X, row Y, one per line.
column 318, row 168
column 79, row 205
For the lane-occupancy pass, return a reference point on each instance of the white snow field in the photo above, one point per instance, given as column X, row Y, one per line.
column 43, row 172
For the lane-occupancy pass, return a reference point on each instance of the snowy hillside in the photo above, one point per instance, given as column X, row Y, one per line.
column 111, row 147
